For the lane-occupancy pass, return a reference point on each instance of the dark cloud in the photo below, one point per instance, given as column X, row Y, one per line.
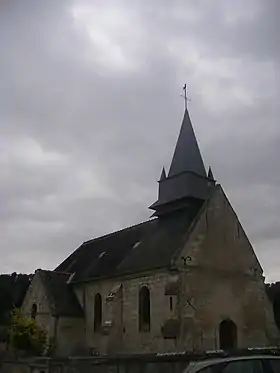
column 90, row 109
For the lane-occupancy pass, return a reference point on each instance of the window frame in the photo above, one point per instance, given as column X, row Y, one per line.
column 34, row 311
column 144, row 309
column 97, row 313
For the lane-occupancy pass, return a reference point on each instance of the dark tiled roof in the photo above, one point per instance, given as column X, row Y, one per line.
column 62, row 299
column 187, row 155
column 149, row 245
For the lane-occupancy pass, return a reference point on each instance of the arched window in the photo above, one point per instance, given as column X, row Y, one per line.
column 144, row 309
column 228, row 334
column 97, row 312
column 34, row 309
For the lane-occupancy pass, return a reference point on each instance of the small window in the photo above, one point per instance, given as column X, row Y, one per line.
column 97, row 312
column 144, row 309
column 171, row 303
column 34, row 309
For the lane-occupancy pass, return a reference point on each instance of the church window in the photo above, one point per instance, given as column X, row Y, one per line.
column 144, row 309
column 97, row 312
column 34, row 309
column 171, row 303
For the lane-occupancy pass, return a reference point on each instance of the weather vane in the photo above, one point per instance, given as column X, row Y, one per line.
column 184, row 95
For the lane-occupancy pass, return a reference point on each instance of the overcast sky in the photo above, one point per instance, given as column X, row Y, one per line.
column 90, row 110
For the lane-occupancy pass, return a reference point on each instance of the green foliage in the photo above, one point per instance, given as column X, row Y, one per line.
column 26, row 335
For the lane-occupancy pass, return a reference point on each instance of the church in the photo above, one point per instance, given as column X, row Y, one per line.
column 187, row 279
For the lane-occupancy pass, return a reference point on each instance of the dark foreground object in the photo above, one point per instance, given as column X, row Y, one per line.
column 146, row 363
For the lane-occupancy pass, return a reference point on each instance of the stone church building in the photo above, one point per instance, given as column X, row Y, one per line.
column 186, row 279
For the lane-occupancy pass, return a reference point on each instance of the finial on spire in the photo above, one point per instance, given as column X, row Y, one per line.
column 163, row 174
column 210, row 173
column 184, row 95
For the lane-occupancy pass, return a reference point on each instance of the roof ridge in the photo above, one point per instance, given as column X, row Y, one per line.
column 54, row 271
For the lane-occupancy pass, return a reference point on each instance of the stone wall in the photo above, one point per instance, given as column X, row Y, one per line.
column 218, row 242
column 70, row 336
column 222, row 278
column 36, row 294
column 122, row 313
column 67, row 333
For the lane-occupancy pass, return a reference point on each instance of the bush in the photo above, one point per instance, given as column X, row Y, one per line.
column 26, row 335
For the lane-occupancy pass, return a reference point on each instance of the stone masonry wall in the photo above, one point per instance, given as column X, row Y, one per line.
column 36, row 294
column 223, row 279
column 70, row 336
column 132, row 341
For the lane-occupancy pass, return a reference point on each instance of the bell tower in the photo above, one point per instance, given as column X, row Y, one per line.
column 186, row 182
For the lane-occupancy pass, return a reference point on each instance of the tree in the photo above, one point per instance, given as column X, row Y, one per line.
column 26, row 335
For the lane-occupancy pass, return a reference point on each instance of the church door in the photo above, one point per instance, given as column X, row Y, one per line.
column 228, row 334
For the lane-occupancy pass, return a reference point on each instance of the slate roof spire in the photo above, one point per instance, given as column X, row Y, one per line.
column 210, row 174
column 163, row 174
column 187, row 155
column 187, row 180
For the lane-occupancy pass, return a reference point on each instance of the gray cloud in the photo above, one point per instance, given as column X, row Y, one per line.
column 90, row 109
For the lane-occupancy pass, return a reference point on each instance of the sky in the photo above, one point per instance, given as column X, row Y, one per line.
column 90, row 111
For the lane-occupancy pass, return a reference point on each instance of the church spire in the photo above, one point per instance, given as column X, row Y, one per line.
column 210, row 174
column 187, row 157
column 163, row 174
column 187, row 182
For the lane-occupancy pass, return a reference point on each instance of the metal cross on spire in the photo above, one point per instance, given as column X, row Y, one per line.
column 184, row 95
